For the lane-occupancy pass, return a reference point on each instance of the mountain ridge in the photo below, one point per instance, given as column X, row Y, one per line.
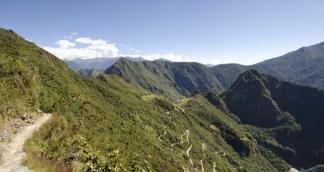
column 166, row 78
column 304, row 66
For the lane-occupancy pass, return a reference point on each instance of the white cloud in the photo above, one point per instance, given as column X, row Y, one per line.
column 90, row 41
column 87, row 48
column 65, row 44
column 83, row 47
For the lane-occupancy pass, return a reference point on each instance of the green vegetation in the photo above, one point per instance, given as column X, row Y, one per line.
column 167, row 78
column 287, row 119
column 106, row 124
column 304, row 66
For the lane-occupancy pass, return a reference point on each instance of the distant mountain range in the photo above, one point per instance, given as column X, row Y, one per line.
column 304, row 66
column 101, row 63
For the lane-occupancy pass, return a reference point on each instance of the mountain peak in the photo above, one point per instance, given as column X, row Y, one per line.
column 266, row 102
column 250, row 99
column 250, row 75
column 251, row 78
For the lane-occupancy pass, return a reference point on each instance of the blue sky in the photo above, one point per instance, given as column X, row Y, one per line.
column 207, row 31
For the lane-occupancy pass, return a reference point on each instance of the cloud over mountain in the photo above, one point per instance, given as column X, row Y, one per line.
column 89, row 48
column 83, row 47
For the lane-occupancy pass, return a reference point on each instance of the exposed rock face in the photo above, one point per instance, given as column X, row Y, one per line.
column 293, row 115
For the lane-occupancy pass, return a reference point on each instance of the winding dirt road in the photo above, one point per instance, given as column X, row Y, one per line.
column 163, row 134
column 203, row 149
column 13, row 152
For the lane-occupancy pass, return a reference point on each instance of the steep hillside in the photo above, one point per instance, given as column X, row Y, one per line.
column 167, row 78
column 288, row 117
column 250, row 98
column 105, row 124
column 303, row 66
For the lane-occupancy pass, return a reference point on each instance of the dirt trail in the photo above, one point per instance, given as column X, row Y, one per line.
column 12, row 152
column 186, row 133
column 163, row 134
column 214, row 167
column 188, row 154
column 164, row 128
column 185, row 169
column 203, row 148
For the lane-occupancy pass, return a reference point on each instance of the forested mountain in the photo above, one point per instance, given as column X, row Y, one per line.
column 167, row 78
column 288, row 118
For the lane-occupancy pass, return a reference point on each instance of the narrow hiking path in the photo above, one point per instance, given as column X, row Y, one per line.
column 12, row 152
column 200, row 165
column 214, row 166
column 163, row 134
column 164, row 127
column 184, row 138
column 203, row 149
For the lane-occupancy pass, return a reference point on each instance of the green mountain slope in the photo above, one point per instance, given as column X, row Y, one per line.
column 226, row 74
column 303, row 66
column 175, row 79
column 95, row 117
column 288, row 118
